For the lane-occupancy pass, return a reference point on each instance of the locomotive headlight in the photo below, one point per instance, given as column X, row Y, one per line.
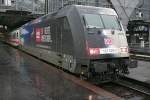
column 106, row 32
column 91, row 51
column 94, row 51
column 124, row 49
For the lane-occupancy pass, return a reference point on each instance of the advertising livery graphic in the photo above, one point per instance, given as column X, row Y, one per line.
column 26, row 32
column 39, row 37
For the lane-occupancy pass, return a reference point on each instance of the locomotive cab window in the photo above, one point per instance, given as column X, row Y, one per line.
column 93, row 21
column 111, row 22
column 66, row 26
column 101, row 21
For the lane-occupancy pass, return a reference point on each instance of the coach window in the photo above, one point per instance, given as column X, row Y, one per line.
column 17, row 35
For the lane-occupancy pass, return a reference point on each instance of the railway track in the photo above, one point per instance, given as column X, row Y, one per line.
column 129, row 89
column 143, row 57
column 138, row 86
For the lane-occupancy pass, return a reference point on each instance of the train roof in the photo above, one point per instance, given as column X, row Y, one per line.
column 81, row 9
column 86, row 9
column 69, row 9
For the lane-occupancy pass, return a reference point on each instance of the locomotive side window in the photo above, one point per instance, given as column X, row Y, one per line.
column 111, row 22
column 65, row 24
column 93, row 21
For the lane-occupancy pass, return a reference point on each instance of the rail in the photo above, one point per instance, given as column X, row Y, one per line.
column 128, row 88
column 134, row 84
column 140, row 52
column 139, row 45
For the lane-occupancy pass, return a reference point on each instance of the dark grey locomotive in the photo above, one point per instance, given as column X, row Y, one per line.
column 84, row 40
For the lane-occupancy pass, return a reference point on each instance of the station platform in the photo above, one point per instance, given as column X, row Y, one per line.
column 142, row 72
column 22, row 77
column 144, row 51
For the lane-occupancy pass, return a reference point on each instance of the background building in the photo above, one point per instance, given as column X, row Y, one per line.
column 34, row 6
column 126, row 9
column 53, row 5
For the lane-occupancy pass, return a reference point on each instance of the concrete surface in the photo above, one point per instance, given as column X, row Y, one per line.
column 142, row 72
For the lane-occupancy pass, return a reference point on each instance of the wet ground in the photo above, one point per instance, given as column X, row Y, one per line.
column 142, row 72
column 23, row 77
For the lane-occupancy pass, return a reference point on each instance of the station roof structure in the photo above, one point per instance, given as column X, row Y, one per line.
column 13, row 18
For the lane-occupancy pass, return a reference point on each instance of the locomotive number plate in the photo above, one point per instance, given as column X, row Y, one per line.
column 109, row 50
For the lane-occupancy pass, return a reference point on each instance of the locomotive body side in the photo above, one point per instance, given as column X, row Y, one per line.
column 84, row 40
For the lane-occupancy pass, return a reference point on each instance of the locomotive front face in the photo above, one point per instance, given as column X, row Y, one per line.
column 105, row 37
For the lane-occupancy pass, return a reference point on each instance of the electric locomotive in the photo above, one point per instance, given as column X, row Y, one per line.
column 84, row 40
